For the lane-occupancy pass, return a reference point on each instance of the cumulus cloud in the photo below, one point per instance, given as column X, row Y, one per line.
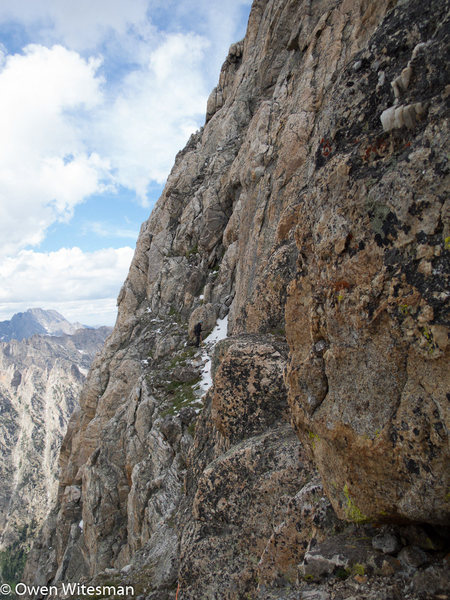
column 70, row 132
column 100, row 102
column 67, row 277
column 160, row 105
column 45, row 166
column 68, row 138
column 80, row 25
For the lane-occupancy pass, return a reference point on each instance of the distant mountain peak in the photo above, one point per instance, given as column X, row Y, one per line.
column 23, row 325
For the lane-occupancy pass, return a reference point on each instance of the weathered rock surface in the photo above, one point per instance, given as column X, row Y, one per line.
column 308, row 215
column 249, row 394
column 370, row 285
column 244, row 466
column 40, row 381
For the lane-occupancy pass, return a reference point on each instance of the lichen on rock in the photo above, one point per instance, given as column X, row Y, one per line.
column 322, row 238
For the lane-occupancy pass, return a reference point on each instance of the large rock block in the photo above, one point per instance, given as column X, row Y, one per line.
column 249, row 393
column 239, row 496
column 366, row 314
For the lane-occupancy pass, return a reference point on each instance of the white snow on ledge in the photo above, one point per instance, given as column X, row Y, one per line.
column 218, row 333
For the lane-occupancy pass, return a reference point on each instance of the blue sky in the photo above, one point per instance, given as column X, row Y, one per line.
column 97, row 97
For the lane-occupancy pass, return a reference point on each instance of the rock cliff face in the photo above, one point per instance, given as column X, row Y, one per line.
column 310, row 211
column 40, row 381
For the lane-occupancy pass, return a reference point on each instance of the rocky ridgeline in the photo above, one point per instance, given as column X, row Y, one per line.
column 40, row 381
column 316, row 466
column 36, row 320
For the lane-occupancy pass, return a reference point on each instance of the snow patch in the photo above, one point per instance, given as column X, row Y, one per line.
column 217, row 334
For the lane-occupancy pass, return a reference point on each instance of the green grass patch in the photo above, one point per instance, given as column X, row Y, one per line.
column 192, row 251
column 182, row 395
column 182, row 357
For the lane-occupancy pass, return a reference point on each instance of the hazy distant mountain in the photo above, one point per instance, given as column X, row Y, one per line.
column 36, row 320
column 40, row 382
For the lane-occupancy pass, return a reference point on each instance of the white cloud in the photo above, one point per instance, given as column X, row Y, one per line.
column 66, row 278
column 81, row 25
column 3, row 54
column 68, row 140
column 160, row 105
column 73, row 125
column 46, row 168
column 70, row 133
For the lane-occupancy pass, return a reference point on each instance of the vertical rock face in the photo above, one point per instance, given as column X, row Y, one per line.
column 40, row 380
column 368, row 372
column 307, row 214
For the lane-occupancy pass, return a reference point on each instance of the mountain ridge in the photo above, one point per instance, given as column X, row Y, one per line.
column 36, row 321
column 316, row 464
column 40, row 381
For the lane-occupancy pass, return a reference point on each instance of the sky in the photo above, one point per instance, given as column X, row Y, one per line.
column 96, row 99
